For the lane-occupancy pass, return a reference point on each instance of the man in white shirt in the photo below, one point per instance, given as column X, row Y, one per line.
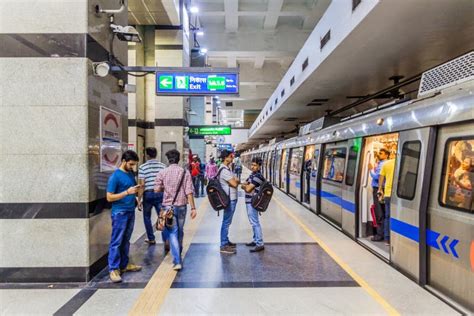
column 229, row 183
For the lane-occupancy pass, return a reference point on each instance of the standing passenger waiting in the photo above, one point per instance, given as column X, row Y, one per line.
column 146, row 176
column 379, row 207
column 251, row 187
column 238, row 167
column 211, row 169
column 176, row 197
column 121, row 191
column 385, row 189
column 229, row 184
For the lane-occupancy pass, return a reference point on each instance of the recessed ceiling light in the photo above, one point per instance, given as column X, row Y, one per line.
column 194, row 9
column 203, row 50
column 200, row 33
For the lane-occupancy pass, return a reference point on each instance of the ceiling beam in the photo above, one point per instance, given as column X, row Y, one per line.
column 232, row 61
column 259, row 61
column 231, row 8
column 274, row 11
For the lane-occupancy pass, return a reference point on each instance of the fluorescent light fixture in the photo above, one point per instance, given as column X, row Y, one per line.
column 194, row 9
column 200, row 33
column 218, row 102
column 203, row 50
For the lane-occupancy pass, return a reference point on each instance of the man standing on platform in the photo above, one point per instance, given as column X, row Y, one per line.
column 251, row 187
column 177, row 186
column 146, row 176
column 379, row 207
column 229, row 184
column 121, row 191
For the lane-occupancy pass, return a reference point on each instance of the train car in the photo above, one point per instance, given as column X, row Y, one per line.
column 430, row 141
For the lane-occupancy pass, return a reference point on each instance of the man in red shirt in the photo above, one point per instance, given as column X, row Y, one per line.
column 168, row 181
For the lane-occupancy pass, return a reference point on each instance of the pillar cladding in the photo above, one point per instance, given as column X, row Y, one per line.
column 54, row 220
column 170, row 116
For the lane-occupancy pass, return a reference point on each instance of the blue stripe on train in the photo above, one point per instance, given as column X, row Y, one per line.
column 406, row 230
column 346, row 205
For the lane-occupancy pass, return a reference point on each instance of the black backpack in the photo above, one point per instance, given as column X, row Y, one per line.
column 261, row 200
column 218, row 198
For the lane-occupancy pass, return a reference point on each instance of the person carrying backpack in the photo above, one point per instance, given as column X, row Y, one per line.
column 229, row 184
column 251, row 187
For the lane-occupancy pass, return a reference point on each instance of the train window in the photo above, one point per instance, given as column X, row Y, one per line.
column 409, row 170
column 334, row 161
column 351, row 165
column 458, row 174
column 296, row 160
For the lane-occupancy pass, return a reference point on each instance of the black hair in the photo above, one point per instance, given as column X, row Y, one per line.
column 129, row 155
column 225, row 153
column 257, row 160
column 173, row 156
column 385, row 150
column 151, row 152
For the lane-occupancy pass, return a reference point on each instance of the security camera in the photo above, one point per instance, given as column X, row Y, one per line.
column 126, row 33
column 100, row 69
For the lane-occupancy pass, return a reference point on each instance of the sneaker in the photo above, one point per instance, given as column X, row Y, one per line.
column 131, row 268
column 177, row 267
column 228, row 249
column 251, row 244
column 231, row 244
column 257, row 249
column 150, row 242
column 376, row 238
column 115, row 276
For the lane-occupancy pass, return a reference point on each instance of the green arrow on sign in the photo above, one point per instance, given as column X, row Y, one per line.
column 166, row 82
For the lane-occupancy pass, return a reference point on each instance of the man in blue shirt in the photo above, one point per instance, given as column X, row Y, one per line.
column 251, row 187
column 379, row 207
column 121, row 191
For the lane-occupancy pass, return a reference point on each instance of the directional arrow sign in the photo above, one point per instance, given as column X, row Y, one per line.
column 452, row 246
column 166, row 82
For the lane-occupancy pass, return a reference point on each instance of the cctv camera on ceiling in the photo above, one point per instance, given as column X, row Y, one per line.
column 126, row 33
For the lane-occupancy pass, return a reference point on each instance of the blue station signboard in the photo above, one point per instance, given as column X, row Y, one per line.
column 197, row 81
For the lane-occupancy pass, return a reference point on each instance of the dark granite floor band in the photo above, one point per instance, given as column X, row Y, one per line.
column 75, row 303
column 280, row 265
column 286, row 284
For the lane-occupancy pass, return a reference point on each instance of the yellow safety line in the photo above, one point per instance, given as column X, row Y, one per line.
column 389, row 308
column 154, row 294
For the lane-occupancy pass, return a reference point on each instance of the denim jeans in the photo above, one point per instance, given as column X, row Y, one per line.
column 386, row 221
column 255, row 222
column 196, row 185
column 151, row 199
column 122, row 228
column 226, row 221
column 175, row 233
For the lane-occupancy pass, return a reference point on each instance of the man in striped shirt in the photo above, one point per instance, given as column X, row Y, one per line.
column 146, row 176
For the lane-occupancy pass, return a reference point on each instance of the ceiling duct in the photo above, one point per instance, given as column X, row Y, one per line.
column 318, row 124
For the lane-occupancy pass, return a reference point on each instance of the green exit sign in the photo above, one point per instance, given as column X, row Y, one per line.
column 215, row 83
column 203, row 130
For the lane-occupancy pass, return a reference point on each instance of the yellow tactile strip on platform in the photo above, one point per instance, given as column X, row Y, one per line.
column 150, row 300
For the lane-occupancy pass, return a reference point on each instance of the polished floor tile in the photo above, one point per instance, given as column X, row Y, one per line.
column 110, row 302
column 274, row 301
column 33, row 302
column 279, row 265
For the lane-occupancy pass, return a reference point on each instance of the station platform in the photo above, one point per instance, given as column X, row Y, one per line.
column 307, row 267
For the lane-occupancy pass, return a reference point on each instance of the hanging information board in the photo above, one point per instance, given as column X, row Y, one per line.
column 203, row 130
column 197, row 81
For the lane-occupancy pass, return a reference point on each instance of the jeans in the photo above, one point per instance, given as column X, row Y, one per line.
column 386, row 222
column 175, row 233
column 196, row 185
column 151, row 199
column 201, row 184
column 226, row 221
column 255, row 222
column 122, row 228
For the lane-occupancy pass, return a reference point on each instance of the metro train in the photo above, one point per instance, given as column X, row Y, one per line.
column 432, row 207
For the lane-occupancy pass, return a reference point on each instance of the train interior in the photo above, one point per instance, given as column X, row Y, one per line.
column 367, row 223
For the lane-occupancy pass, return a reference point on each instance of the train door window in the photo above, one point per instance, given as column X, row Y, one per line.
column 314, row 165
column 296, row 161
column 334, row 162
column 408, row 174
column 351, row 165
column 456, row 190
